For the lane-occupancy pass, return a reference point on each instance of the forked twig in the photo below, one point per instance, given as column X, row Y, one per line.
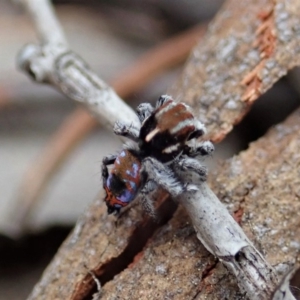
column 54, row 63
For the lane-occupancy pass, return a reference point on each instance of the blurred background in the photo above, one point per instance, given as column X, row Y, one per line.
column 109, row 35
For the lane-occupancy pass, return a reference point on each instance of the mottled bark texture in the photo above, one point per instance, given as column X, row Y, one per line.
column 261, row 187
column 247, row 48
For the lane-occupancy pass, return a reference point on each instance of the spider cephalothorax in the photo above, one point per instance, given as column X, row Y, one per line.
column 163, row 146
column 166, row 130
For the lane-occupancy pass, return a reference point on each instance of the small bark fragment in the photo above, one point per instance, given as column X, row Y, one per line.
column 266, row 43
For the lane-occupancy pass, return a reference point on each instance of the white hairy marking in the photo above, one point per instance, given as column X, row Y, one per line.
column 144, row 110
column 208, row 146
column 165, row 109
column 181, row 125
column 161, row 102
column 166, row 97
column 200, row 126
column 171, row 148
column 192, row 188
column 151, row 134
column 186, row 106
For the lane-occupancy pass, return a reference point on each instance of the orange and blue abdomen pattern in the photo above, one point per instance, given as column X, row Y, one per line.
column 124, row 180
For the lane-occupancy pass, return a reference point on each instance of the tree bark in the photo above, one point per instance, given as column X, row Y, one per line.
column 248, row 47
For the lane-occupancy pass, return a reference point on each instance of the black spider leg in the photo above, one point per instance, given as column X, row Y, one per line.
column 197, row 148
column 144, row 110
column 164, row 177
column 107, row 160
column 185, row 163
column 130, row 131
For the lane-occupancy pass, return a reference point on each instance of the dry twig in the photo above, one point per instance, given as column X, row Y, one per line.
column 54, row 63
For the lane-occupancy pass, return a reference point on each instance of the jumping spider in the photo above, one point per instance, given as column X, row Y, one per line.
column 164, row 144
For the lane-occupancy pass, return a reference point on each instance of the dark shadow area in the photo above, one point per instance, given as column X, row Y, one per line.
column 137, row 242
column 25, row 259
column 270, row 109
column 31, row 249
column 295, row 284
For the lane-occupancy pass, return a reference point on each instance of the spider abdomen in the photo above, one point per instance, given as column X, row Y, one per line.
column 164, row 147
column 124, row 180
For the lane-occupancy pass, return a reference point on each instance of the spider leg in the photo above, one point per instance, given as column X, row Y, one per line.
column 145, row 200
column 107, row 160
column 144, row 110
column 192, row 164
column 129, row 131
column 197, row 148
column 162, row 99
column 199, row 130
column 165, row 177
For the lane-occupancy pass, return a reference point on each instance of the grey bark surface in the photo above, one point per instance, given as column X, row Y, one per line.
column 247, row 48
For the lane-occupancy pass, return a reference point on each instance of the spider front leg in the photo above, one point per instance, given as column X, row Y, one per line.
column 162, row 99
column 130, row 131
column 196, row 148
column 191, row 164
column 144, row 110
column 165, row 177
column 107, row 160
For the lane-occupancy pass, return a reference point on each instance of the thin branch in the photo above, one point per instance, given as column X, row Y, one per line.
column 45, row 21
column 225, row 239
column 52, row 62
column 77, row 125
